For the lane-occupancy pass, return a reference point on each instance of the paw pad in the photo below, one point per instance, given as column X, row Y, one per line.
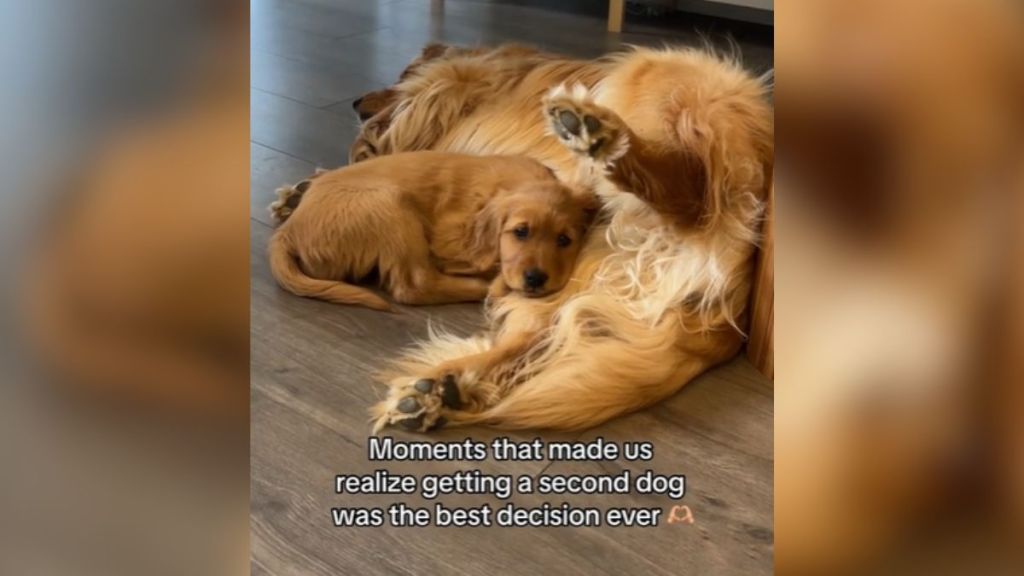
column 569, row 122
column 408, row 405
column 583, row 126
column 420, row 409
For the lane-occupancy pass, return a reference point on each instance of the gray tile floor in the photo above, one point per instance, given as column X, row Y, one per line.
column 311, row 361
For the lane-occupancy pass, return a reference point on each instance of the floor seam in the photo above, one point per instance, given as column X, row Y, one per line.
column 292, row 156
column 289, row 98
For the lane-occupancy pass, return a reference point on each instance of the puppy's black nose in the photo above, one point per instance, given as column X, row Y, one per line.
column 534, row 278
column 355, row 103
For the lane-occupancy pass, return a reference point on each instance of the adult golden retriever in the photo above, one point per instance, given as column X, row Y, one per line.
column 680, row 144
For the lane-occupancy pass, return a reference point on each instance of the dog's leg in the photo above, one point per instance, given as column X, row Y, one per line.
column 426, row 286
column 454, row 380
column 454, row 268
column 455, row 389
column 588, row 129
column 670, row 181
column 425, row 404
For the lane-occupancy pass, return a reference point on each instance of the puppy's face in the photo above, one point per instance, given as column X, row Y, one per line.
column 543, row 226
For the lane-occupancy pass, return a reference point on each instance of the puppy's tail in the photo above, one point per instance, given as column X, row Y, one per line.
column 285, row 269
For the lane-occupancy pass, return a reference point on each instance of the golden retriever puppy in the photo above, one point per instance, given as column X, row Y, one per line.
column 437, row 228
column 680, row 141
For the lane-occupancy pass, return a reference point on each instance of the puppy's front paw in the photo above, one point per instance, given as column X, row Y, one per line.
column 419, row 405
column 583, row 126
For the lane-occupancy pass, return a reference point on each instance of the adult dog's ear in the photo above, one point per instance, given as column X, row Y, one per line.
column 432, row 51
column 368, row 142
column 369, row 105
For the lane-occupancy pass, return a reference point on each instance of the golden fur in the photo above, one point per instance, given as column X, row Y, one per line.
column 436, row 226
column 660, row 290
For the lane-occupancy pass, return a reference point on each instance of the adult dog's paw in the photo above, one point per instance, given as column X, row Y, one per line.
column 419, row 405
column 584, row 126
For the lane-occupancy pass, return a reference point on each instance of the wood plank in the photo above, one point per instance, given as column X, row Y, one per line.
column 319, row 85
column 301, row 131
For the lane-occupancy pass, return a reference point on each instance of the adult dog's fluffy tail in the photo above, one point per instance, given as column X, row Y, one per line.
column 286, row 270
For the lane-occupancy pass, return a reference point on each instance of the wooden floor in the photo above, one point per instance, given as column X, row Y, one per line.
column 311, row 361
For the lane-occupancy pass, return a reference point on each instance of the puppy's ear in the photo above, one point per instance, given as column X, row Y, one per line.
column 488, row 224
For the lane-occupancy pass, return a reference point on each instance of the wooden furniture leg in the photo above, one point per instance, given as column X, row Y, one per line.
column 616, row 8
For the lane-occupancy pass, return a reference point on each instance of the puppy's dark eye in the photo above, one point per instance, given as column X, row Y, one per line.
column 564, row 240
column 522, row 231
